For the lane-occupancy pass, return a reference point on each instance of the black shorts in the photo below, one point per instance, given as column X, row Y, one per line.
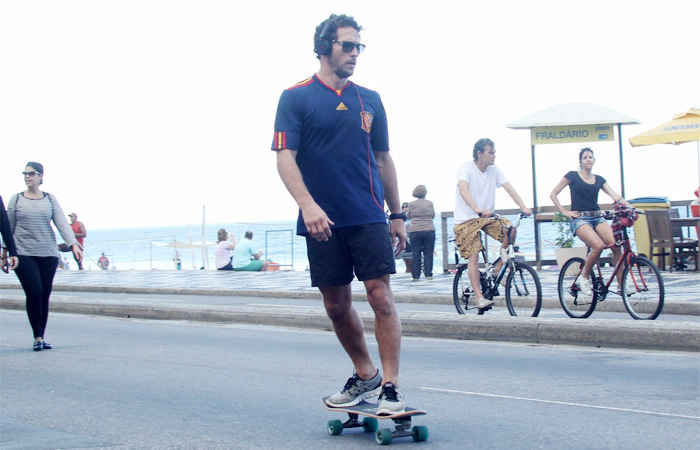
column 365, row 250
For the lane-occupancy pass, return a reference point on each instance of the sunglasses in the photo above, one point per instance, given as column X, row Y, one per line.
column 348, row 46
column 29, row 174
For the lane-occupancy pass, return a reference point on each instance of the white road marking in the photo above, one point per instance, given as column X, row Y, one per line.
column 578, row 405
column 444, row 313
column 281, row 306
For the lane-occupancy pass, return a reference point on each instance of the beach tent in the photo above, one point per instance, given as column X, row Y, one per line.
column 183, row 245
column 175, row 245
column 685, row 127
column 566, row 123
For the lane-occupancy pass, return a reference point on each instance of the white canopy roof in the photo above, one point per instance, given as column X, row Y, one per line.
column 180, row 244
column 572, row 114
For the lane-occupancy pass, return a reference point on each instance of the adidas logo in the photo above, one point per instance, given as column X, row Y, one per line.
column 341, row 107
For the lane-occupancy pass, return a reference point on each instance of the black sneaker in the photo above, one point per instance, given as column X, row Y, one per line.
column 390, row 400
column 37, row 346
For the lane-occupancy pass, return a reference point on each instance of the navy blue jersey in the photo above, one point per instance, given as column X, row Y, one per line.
column 335, row 134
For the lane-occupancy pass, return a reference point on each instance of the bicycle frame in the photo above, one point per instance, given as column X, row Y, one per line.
column 627, row 255
column 495, row 281
column 509, row 247
column 523, row 291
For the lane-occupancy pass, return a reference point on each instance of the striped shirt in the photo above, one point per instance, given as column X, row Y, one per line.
column 30, row 222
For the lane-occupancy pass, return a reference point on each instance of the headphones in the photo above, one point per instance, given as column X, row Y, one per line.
column 322, row 46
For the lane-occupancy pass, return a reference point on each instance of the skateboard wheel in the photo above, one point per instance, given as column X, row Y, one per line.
column 370, row 424
column 383, row 436
column 335, row 427
column 420, row 433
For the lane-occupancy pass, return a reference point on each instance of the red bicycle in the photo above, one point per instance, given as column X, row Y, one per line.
column 641, row 289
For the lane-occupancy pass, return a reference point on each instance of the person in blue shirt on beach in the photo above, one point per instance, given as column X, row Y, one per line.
column 246, row 257
column 332, row 145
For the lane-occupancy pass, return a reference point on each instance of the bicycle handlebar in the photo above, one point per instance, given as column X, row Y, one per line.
column 495, row 216
column 609, row 214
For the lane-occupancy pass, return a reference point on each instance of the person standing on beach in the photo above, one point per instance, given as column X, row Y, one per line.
column 30, row 214
column 422, row 233
column 103, row 262
column 80, row 234
column 475, row 202
column 332, row 146
column 407, row 254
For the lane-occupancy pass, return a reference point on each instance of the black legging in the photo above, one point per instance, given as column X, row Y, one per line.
column 36, row 276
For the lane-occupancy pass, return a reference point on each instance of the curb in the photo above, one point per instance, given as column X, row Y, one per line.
column 609, row 305
column 600, row 333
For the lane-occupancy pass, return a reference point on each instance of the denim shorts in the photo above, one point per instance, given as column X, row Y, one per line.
column 579, row 221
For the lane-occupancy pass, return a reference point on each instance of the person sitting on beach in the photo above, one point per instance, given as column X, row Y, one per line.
column 587, row 221
column 246, row 258
column 224, row 259
column 475, row 201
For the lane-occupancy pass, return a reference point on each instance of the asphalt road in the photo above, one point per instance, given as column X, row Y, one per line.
column 136, row 384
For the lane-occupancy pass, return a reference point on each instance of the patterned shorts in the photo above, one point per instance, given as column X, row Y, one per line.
column 468, row 237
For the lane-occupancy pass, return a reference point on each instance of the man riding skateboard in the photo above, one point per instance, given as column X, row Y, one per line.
column 332, row 147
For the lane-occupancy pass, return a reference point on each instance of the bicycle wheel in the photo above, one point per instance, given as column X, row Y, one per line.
column 642, row 289
column 462, row 292
column 523, row 291
column 575, row 303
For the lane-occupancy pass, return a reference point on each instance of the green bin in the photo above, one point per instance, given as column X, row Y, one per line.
column 641, row 230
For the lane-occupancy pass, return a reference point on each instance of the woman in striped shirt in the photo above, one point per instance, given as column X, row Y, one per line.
column 30, row 214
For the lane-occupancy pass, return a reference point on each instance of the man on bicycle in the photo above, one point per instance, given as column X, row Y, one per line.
column 475, row 201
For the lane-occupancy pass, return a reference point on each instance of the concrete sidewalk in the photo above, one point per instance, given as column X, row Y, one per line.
column 682, row 297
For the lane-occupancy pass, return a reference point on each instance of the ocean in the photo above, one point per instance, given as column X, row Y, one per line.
column 142, row 248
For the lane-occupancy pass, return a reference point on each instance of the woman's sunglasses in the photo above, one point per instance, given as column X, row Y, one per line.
column 28, row 174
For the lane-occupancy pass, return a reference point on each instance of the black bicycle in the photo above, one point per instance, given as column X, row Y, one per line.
column 523, row 290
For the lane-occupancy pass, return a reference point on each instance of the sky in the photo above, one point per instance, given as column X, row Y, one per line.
column 150, row 112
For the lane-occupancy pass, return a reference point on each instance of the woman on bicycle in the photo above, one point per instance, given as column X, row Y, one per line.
column 587, row 221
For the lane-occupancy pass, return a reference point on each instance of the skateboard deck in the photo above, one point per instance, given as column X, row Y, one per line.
column 370, row 410
column 402, row 422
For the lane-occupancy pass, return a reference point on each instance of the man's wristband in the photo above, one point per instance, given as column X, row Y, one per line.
column 401, row 215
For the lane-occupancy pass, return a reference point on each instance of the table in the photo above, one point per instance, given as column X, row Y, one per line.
column 687, row 222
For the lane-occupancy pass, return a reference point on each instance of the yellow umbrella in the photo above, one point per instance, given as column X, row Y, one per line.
column 685, row 127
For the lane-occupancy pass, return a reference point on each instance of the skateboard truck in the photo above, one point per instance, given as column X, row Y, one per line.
column 384, row 436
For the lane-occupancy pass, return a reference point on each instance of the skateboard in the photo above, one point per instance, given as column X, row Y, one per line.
column 383, row 436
